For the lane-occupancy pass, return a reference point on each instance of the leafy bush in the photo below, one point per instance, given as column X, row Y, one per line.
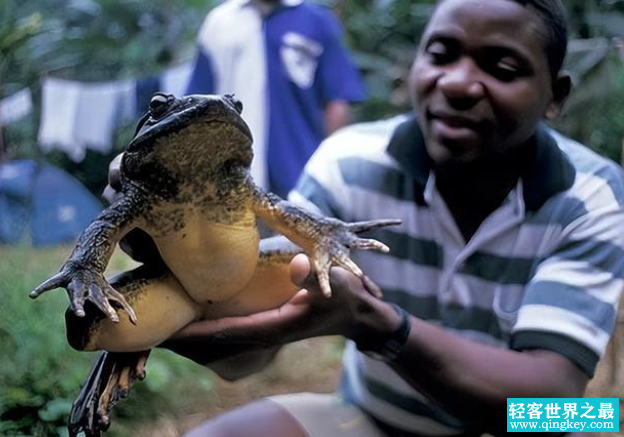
column 594, row 112
column 32, row 395
column 383, row 36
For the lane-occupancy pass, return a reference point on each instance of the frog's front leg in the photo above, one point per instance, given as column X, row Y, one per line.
column 327, row 241
column 82, row 275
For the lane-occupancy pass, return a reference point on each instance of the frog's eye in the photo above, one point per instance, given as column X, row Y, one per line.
column 233, row 101
column 158, row 105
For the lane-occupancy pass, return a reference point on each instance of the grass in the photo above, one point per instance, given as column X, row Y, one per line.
column 40, row 374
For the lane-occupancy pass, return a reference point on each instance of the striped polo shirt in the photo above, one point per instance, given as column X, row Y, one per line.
column 544, row 270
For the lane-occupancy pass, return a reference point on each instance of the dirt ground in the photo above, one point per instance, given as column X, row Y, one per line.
column 311, row 365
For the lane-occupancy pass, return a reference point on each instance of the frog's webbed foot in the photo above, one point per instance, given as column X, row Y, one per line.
column 335, row 241
column 109, row 381
column 85, row 284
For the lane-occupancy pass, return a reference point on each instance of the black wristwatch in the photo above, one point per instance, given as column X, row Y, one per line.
column 389, row 350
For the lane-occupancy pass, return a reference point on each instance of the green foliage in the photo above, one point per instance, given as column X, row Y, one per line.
column 383, row 35
column 40, row 374
column 595, row 18
column 594, row 112
column 13, row 36
column 17, row 28
column 32, row 395
column 96, row 40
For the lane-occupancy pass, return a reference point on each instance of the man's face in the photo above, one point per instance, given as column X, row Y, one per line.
column 481, row 80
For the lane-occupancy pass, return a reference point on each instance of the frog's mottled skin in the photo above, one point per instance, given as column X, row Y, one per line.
column 185, row 182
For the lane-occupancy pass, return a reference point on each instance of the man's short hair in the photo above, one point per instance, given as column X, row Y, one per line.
column 553, row 14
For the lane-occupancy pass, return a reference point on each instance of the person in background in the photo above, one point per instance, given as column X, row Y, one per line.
column 285, row 60
column 504, row 278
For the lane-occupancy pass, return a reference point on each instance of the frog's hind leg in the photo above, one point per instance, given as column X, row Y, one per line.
column 162, row 306
column 109, row 381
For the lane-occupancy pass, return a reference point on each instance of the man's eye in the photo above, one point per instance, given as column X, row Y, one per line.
column 505, row 70
column 439, row 52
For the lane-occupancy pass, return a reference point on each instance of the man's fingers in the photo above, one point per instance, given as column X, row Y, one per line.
column 111, row 192
column 371, row 287
column 301, row 271
column 301, row 298
column 114, row 172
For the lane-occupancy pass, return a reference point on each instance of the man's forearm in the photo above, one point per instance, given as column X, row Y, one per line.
column 469, row 379
column 473, row 381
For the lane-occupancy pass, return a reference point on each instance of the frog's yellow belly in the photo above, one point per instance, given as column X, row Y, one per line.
column 212, row 261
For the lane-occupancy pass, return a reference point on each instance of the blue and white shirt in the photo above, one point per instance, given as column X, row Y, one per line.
column 544, row 271
column 285, row 68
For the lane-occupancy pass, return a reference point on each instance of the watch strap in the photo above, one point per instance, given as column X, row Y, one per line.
column 390, row 349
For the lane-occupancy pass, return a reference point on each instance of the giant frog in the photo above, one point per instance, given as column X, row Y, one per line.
column 185, row 182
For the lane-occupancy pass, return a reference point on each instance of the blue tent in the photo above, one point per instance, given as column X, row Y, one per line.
column 42, row 204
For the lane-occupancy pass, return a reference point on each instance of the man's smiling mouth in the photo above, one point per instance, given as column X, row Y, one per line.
column 448, row 126
column 452, row 119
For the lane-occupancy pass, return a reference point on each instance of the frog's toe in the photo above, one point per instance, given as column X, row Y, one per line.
column 347, row 263
column 370, row 244
column 116, row 296
column 56, row 281
column 98, row 297
column 129, row 374
column 77, row 296
column 321, row 262
column 139, row 369
column 323, row 278
column 371, row 225
column 110, row 396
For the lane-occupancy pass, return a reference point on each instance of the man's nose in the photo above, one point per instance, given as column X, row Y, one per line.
column 462, row 82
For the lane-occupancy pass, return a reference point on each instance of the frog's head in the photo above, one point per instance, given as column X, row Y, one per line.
column 182, row 139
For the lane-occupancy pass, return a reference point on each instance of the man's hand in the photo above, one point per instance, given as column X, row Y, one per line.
column 113, row 190
column 352, row 311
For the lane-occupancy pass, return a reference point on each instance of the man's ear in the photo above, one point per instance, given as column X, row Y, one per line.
column 561, row 89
